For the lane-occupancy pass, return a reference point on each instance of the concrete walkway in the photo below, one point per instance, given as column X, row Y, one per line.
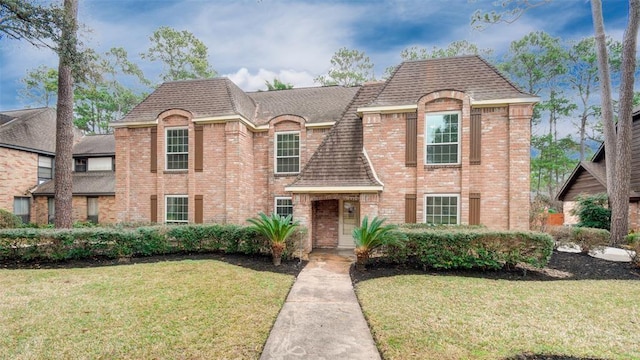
column 321, row 318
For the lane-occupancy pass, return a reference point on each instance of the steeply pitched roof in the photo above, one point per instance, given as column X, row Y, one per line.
column 203, row 98
column 315, row 104
column 84, row 183
column 29, row 129
column 469, row 74
column 339, row 160
column 95, row 145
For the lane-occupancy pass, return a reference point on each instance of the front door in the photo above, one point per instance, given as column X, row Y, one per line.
column 349, row 220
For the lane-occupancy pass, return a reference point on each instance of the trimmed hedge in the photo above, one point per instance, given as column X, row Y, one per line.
column 27, row 244
column 466, row 248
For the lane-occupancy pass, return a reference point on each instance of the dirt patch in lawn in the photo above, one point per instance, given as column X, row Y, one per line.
column 562, row 266
column 258, row 263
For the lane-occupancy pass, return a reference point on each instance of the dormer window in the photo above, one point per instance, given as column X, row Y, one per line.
column 80, row 165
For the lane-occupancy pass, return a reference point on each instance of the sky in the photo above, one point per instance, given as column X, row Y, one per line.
column 257, row 40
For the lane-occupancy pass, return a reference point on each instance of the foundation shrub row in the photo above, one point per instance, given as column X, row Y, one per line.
column 469, row 247
column 28, row 244
column 584, row 237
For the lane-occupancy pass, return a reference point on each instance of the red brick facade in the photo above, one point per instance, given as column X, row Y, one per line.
column 19, row 174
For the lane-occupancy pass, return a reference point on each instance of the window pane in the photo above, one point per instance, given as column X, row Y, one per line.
column 284, row 206
column 441, row 210
column 177, row 209
column 442, row 139
column 21, row 208
column 177, row 149
column 287, row 153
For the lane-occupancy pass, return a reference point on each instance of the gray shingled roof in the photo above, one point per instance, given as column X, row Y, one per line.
column 29, row 129
column 339, row 160
column 202, row 97
column 95, row 145
column 469, row 74
column 314, row 104
column 84, row 183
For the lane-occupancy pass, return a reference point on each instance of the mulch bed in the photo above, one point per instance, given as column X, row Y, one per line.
column 258, row 263
column 562, row 266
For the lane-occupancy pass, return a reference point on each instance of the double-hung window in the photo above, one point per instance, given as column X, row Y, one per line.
column 177, row 141
column 284, row 206
column 45, row 168
column 288, row 152
column 442, row 138
column 92, row 210
column 176, row 209
column 442, row 209
column 21, row 208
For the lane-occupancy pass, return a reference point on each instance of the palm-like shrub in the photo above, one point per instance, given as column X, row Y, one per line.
column 370, row 236
column 277, row 229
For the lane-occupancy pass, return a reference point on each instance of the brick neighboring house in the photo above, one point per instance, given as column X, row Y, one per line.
column 93, row 184
column 441, row 141
column 27, row 151
column 589, row 178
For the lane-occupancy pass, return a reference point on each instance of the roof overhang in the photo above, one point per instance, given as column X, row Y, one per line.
column 226, row 118
column 493, row 102
column 320, row 125
column 333, row 189
column 134, row 124
column 387, row 109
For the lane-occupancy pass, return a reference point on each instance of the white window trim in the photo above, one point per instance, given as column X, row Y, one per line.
column 166, row 154
column 459, row 113
column 275, row 151
column 166, row 208
column 424, row 205
column 275, row 203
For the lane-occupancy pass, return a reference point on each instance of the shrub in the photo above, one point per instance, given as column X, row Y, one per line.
column 8, row 220
column 471, row 248
column 586, row 238
column 593, row 212
column 24, row 244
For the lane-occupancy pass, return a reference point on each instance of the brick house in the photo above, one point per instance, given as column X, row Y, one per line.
column 589, row 178
column 93, row 184
column 27, row 151
column 441, row 141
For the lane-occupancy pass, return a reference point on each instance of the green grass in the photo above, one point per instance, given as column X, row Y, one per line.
column 169, row 310
column 448, row 317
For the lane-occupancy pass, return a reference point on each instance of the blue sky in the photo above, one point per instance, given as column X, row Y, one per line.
column 252, row 41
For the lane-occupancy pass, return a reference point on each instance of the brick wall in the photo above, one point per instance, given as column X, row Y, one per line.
column 18, row 175
column 501, row 178
column 106, row 209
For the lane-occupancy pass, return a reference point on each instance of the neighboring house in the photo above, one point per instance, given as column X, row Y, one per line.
column 589, row 177
column 442, row 141
column 93, row 184
column 27, row 151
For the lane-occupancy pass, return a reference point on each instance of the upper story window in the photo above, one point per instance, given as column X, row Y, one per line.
column 80, row 164
column 443, row 138
column 100, row 164
column 45, row 168
column 288, row 152
column 177, row 141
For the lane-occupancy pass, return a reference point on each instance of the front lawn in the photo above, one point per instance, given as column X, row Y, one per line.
column 190, row 309
column 454, row 317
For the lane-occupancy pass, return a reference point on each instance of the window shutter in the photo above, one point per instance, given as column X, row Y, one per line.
column 198, row 166
column 474, row 209
column 475, row 137
column 198, row 212
column 154, row 149
column 154, row 208
column 411, row 151
column 410, row 208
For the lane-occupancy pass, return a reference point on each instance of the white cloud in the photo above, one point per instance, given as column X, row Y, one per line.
column 253, row 82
